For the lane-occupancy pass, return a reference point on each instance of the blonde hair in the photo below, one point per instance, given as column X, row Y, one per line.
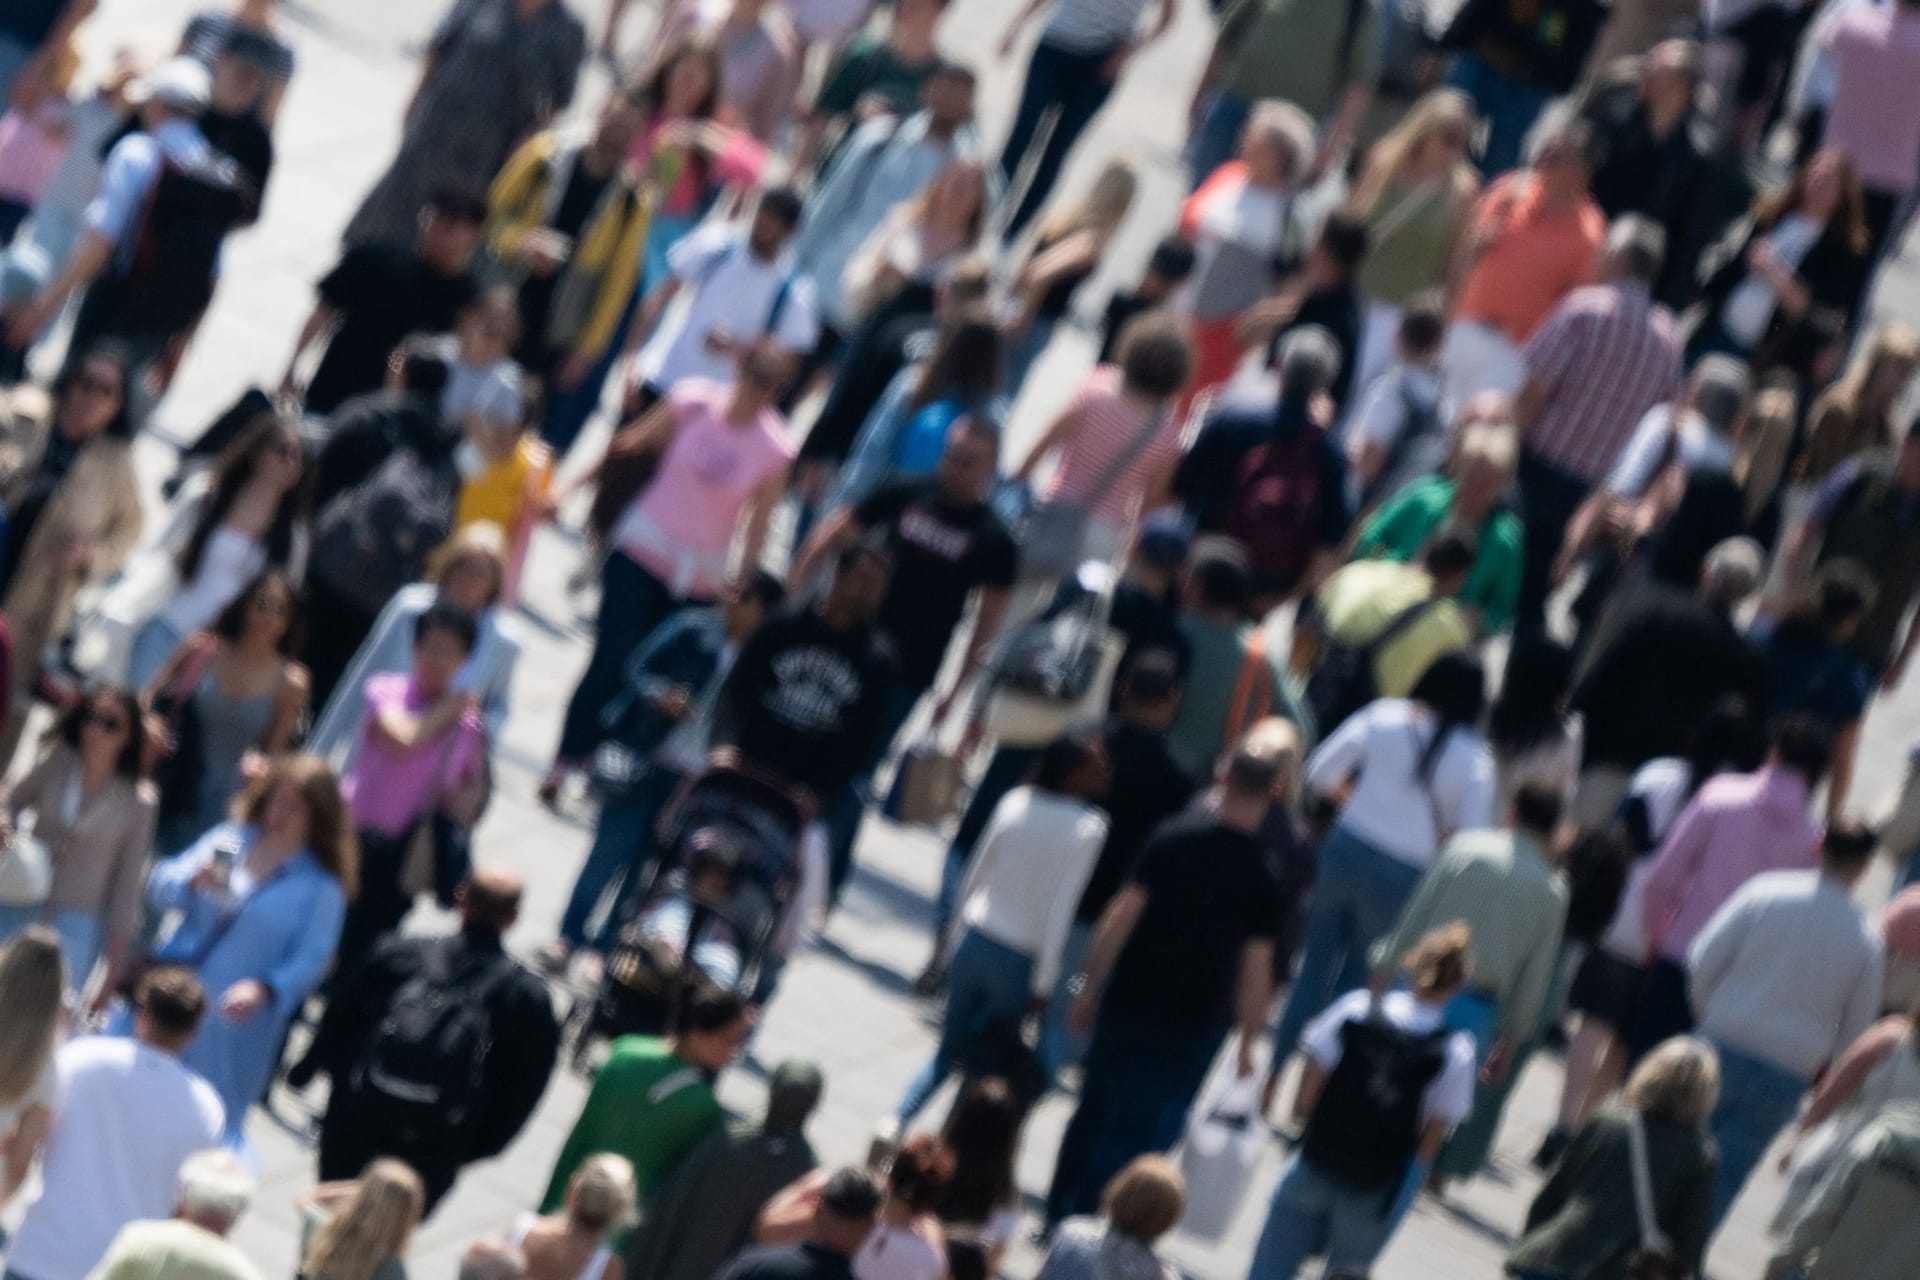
column 1440, row 963
column 1493, row 443
column 1762, row 452
column 330, row 834
column 1144, row 1201
column 1288, row 127
column 600, row 1197
column 374, row 1225
column 1390, row 156
column 1102, row 209
column 481, row 540
column 33, row 983
column 1678, row 1082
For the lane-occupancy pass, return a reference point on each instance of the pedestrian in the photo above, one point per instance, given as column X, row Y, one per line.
column 653, row 1100
column 707, row 1209
column 760, row 58
column 1513, row 65
column 1878, row 1072
column 261, row 900
column 92, row 1181
column 421, row 763
column 1735, row 827
column 1067, row 249
column 981, row 1205
column 1853, row 416
column 437, row 1096
column 1871, row 121
column 918, row 238
column 1397, row 432
column 1016, row 905
column 1230, row 684
column 871, row 75
column 1810, row 670
column 1322, row 292
column 1182, row 955
column 1851, row 1226
column 496, row 72
column 86, row 802
column 840, row 1218
column 572, row 1244
column 1535, row 738
column 1604, row 356
column 252, row 28
column 1779, row 1016
column 492, row 1260
column 73, row 509
column 1586, row 1223
column 360, row 1229
column 215, row 1190
column 32, row 998
column 1142, row 1204
column 30, row 46
column 1386, row 1078
column 1417, row 771
column 907, row 1241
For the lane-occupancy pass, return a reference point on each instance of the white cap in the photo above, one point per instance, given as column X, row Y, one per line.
column 181, row 83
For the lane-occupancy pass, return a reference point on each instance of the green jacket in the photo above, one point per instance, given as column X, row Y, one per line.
column 646, row 1105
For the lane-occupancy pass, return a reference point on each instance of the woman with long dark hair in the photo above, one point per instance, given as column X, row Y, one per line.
column 982, row 1200
column 250, row 514
column 1407, row 774
column 86, row 803
column 1533, row 735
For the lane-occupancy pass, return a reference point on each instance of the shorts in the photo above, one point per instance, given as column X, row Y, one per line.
column 1607, row 989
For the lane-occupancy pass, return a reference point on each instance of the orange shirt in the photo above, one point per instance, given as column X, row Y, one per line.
column 1537, row 257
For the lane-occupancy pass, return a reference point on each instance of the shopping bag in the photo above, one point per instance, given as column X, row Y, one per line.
column 926, row 786
column 1221, row 1152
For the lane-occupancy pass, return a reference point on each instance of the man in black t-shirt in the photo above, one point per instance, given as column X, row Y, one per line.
column 378, row 294
column 1182, row 954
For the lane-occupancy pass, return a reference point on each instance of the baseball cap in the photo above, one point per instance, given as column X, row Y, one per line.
column 181, row 83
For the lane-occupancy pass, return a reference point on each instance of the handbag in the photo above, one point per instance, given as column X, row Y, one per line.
column 26, row 871
column 1654, row 1259
column 1221, row 1153
column 1055, row 673
column 176, row 769
column 926, row 785
column 1054, row 533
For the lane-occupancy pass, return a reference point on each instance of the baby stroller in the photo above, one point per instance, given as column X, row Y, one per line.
column 705, row 909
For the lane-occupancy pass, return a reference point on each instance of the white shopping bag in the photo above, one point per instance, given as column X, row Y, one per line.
column 1225, row 1140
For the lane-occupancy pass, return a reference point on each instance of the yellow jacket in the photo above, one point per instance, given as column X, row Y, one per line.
column 594, row 286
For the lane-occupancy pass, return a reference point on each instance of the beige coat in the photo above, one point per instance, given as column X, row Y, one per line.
column 97, row 504
column 100, row 858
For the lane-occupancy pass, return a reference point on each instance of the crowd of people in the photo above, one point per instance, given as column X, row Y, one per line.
column 1438, row 627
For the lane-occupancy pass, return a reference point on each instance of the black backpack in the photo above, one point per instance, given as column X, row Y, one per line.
column 423, row 1072
column 1342, row 681
column 1366, row 1127
column 176, row 250
column 373, row 539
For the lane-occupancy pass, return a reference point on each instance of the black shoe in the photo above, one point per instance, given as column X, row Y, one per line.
column 1552, row 1147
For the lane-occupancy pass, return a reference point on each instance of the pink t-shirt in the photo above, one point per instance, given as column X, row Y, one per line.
column 681, row 529
column 1875, row 117
column 389, row 790
column 1110, row 423
column 31, row 148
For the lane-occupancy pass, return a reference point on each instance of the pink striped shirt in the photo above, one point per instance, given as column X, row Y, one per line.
column 1108, row 423
column 1609, row 355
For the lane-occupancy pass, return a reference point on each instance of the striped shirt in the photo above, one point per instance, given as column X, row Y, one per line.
column 1093, row 26
column 1608, row 354
column 1106, row 423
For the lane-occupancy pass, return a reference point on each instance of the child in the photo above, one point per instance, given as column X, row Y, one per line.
column 713, row 878
column 506, row 472
column 483, row 382
column 1398, row 432
column 1167, row 270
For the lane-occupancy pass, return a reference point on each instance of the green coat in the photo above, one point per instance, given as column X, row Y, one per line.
column 646, row 1105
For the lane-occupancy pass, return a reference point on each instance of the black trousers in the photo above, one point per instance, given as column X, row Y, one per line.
column 351, row 1139
column 1548, row 499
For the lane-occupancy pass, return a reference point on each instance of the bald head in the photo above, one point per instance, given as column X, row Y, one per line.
column 491, row 897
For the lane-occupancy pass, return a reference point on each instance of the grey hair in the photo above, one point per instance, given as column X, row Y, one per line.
column 215, row 1188
column 1287, row 125
column 1638, row 244
column 1732, row 571
column 493, row 1260
column 1309, row 360
column 1722, row 386
column 1560, row 122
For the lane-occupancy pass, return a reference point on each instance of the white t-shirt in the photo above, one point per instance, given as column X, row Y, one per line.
column 1449, row 1098
column 1384, row 413
column 1652, row 447
column 1392, row 809
column 125, row 1117
column 725, row 289
column 1661, row 787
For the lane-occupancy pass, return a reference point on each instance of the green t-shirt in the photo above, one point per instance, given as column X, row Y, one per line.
column 870, row 66
column 1288, row 49
column 1406, row 522
column 646, row 1105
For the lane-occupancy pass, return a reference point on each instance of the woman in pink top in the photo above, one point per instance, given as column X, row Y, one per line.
column 1117, row 444
column 724, row 453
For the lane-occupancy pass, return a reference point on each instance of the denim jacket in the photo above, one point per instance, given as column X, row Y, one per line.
column 685, row 649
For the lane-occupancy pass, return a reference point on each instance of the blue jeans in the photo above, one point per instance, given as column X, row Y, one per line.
column 1509, row 105
column 1056, row 77
column 153, row 644
column 1310, row 1213
column 1356, row 902
column 623, row 847
column 1007, row 769
column 987, row 991
column 1059, row 1046
column 1216, row 139
column 1022, row 355
column 79, row 937
column 1141, row 1078
column 632, row 603
column 1757, row 1100
column 849, row 810
column 15, row 54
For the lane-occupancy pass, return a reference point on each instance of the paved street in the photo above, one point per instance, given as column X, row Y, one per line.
column 845, row 1004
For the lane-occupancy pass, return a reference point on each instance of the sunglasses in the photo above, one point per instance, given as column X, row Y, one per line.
column 107, row 720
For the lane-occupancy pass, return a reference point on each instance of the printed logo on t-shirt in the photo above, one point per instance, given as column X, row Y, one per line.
column 921, row 528
column 814, row 687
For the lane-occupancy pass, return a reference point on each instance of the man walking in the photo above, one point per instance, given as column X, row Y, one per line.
column 438, row 1048
column 215, row 1190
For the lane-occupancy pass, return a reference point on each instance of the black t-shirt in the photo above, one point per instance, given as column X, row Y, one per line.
column 383, row 293
column 941, row 553
column 1148, row 788
column 242, row 138
column 805, row 700
column 877, row 351
column 1209, row 893
column 536, row 295
column 794, row 1262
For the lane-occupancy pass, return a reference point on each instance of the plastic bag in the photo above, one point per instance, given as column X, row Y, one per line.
column 1225, row 1140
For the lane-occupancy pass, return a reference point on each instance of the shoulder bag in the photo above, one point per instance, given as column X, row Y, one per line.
column 1654, row 1259
column 1054, row 533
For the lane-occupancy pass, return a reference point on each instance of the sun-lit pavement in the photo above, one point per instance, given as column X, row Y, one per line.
column 845, row 1004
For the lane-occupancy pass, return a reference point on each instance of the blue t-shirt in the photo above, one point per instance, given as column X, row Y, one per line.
column 924, row 439
column 29, row 21
column 1810, row 676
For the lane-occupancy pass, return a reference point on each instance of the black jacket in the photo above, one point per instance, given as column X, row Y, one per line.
column 1550, row 48
column 525, row 1034
column 1833, row 271
column 364, row 430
